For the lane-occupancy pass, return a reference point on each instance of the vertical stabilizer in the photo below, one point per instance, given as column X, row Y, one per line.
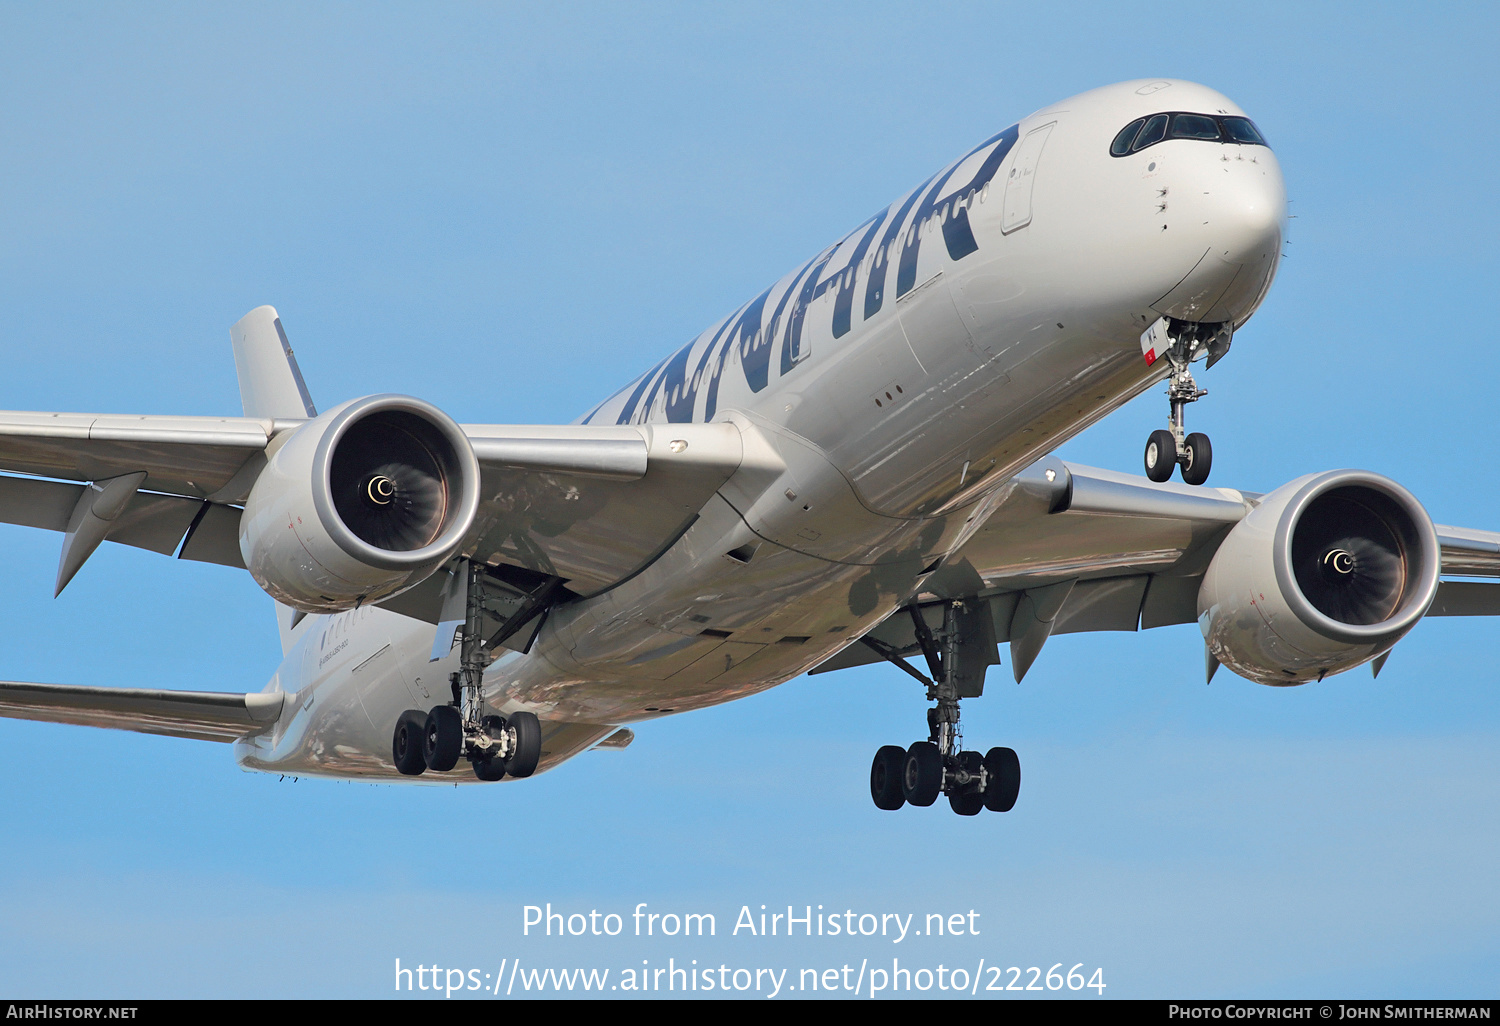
column 271, row 383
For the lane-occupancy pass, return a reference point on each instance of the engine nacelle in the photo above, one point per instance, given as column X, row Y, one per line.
column 359, row 504
column 1328, row 572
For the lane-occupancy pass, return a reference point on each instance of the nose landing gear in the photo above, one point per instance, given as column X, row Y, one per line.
column 1182, row 343
column 937, row 766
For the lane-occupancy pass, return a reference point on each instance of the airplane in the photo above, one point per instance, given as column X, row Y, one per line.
column 854, row 467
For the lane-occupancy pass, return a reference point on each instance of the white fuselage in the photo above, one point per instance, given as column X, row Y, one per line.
column 902, row 376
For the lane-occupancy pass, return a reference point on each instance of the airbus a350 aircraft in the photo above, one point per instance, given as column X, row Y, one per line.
column 852, row 467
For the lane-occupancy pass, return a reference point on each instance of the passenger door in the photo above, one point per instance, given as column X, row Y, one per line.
column 1018, row 184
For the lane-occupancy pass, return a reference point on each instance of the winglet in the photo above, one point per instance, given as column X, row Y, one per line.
column 271, row 383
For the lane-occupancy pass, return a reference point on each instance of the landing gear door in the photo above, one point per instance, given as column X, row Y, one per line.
column 1018, row 184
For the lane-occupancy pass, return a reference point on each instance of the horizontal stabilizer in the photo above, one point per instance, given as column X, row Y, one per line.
column 204, row 715
column 618, row 741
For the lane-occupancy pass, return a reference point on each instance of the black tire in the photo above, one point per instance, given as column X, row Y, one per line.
column 492, row 768
column 922, row 774
column 966, row 804
column 406, row 743
column 443, row 738
column 489, row 769
column 1161, row 455
column 1200, row 458
column 885, row 778
column 528, row 753
column 1004, row 769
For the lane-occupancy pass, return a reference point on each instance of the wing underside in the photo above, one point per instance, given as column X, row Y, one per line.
column 1070, row 549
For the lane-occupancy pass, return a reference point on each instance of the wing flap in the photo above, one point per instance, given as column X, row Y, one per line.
column 1170, row 601
column 31, row 503
column 149, row 520
column 214, row 536
column 203, row 715
column 1108, row 604
column 1466, row 598
column 154, row 522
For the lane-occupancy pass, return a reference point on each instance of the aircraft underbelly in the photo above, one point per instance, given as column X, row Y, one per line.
column 702, row 627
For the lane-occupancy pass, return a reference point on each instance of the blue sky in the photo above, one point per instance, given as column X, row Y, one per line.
column 511, row 210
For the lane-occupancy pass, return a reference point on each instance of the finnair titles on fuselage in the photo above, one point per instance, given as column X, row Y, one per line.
column 891, row 241
column 946, row 295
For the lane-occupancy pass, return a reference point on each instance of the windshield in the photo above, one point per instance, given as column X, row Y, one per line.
column 1148, row 131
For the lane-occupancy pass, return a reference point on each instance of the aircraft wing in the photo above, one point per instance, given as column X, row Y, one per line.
column 190, row 456
column 204, row 715
column 1070, row 549
column 590, row 505
column 594, row 504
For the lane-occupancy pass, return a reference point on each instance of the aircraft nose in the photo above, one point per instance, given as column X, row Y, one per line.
column 1250, row 214
column 1234, row 210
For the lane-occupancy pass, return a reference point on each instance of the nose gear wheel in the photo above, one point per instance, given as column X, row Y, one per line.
column 1182, row 343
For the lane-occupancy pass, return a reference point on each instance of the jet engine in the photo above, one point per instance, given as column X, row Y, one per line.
column 1328, row 572
column 359, row 504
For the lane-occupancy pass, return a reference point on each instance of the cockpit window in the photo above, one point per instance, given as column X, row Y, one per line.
column 1193, row 126
column 1144, row 132
column 1154, row 132
column 1121, row 145
column 1240, row 130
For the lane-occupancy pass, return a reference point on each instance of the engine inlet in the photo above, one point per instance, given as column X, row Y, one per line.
column 1352, row 551
column 392, row 476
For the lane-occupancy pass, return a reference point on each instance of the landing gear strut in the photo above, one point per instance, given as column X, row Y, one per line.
column 957, row 658
column 1182, row 343
column 496, row 746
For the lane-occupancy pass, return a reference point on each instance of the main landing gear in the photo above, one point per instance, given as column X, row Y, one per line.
column 917, row 775
column 1182, row 344
column 496, row 746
